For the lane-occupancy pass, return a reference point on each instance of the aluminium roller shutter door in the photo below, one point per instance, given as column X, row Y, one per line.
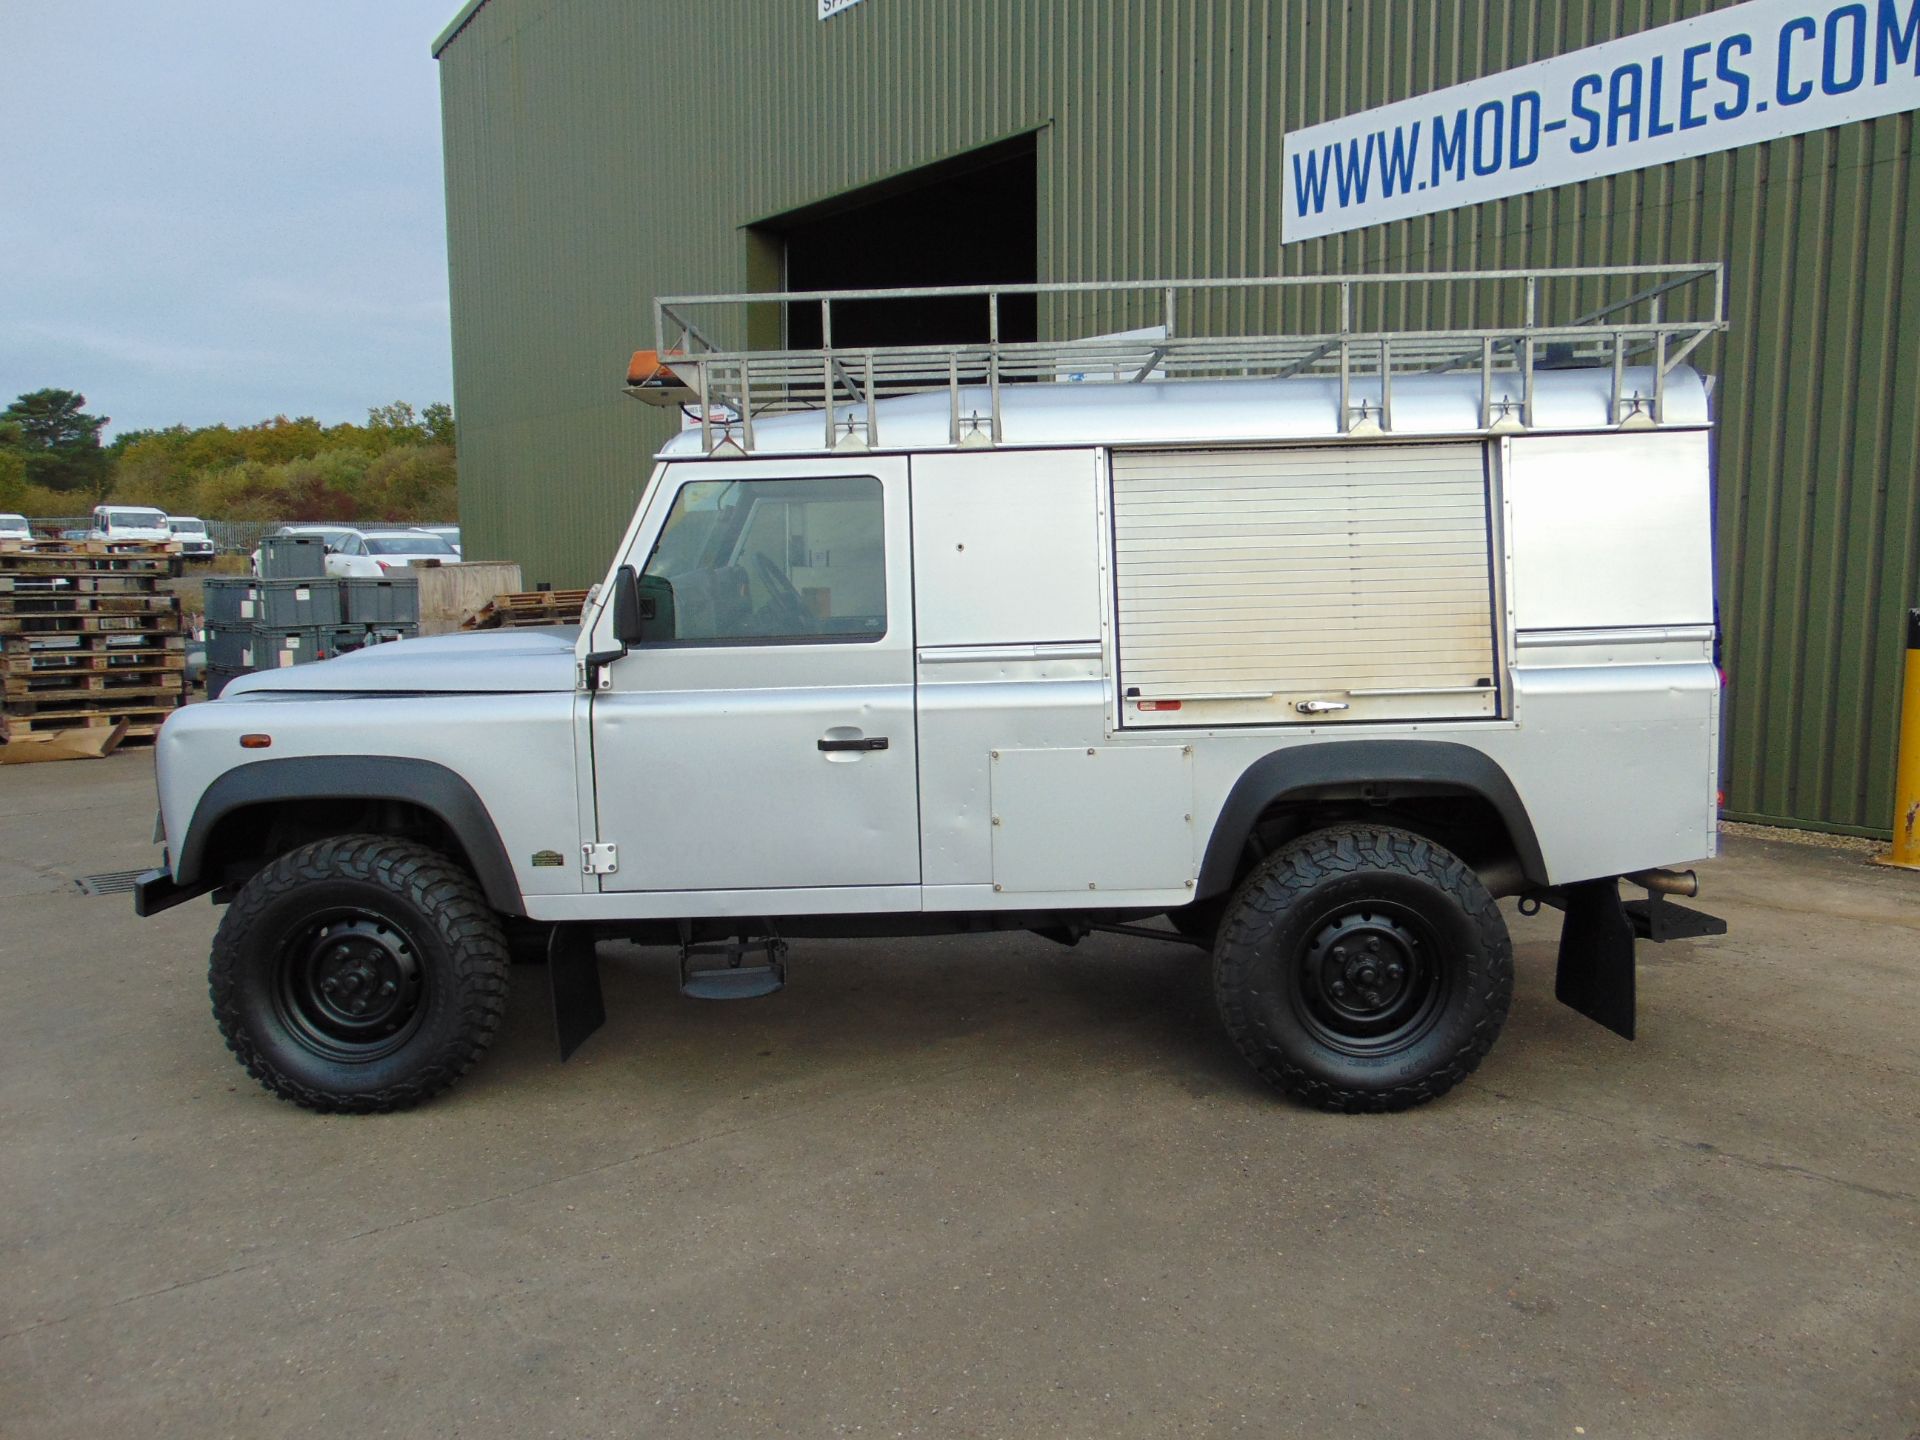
column 1356, row 579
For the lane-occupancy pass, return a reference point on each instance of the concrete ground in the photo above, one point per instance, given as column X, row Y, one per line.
column 962, row 1188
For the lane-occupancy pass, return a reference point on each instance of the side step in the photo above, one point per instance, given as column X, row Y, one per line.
column 733, row 978
column 1658, row 919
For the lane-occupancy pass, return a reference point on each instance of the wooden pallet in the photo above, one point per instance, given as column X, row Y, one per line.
column 42, row 602
column 64, row 549
column 91, row 685
column 47, row 626
column 527, row 608
column 153, row 567
column 84, row 582
column 88, row 641
column 132, row 735
column 151, row 697
column 117, row 642
column 141, row 720
column 84, row 662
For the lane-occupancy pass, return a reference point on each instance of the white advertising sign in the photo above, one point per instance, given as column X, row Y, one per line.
column 831, row 8
column 1748, row 73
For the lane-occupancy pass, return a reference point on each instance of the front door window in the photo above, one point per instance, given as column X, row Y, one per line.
column 774, row 561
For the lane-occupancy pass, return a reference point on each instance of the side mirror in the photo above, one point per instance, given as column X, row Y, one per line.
column 626, row 606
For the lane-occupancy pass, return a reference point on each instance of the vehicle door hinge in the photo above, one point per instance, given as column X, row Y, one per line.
column 600, row 858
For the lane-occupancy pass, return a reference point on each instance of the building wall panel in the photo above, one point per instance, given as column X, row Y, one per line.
column 602, row 151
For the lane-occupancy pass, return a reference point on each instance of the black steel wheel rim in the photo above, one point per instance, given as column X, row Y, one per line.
column 351, row 985
column 1369, row 977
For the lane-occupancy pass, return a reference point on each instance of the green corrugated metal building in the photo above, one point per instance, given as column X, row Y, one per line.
column 600, row 152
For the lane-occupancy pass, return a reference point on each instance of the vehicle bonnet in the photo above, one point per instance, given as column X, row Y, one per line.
column 483, row 662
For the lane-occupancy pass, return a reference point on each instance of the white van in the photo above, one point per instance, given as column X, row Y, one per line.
column 191, row 532
column 15, row 527
column 1301, row 656
column 129, row 522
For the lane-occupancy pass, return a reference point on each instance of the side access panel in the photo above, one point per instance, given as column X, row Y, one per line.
column 1095, row 818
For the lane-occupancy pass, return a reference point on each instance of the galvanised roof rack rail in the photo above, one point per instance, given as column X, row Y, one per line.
column 1657, row 315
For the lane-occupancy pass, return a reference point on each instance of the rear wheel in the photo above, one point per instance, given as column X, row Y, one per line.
column 1363, row 968
column 360, row 973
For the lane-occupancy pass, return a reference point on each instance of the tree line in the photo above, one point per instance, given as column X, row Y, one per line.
column 399, row 466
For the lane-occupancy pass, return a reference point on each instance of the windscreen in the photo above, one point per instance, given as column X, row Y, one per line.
column 187, row 527
column 137, row 519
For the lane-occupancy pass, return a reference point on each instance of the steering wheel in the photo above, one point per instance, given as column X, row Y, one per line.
column 783, row 601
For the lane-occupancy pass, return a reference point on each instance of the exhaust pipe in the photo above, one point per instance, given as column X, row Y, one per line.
column 1666, row 882
column 1504, row 877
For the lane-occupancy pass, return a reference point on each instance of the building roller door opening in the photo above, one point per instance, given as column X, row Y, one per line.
column 973, row 220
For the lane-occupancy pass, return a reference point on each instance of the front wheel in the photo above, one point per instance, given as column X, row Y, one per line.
column 360, row 973
column 1363, row 968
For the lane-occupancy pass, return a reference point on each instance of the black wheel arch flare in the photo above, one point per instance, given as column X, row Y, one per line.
column 1300, row 770
column 433, row 787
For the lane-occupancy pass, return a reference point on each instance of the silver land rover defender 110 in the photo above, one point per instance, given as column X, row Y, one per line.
column 1300, row 646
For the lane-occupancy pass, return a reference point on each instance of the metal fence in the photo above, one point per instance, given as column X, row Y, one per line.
column 230, row 537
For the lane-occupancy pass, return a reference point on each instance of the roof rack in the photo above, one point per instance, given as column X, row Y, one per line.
column 1351, row 327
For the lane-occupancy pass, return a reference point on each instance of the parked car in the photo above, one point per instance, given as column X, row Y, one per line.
column 129, row 522
column 15, row 527
column 448, row 533
column 334, row 537
column 75, row 534
column 191, row 532
column 381, row 552
column 1302, row 675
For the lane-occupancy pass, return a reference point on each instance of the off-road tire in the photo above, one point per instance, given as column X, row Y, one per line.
column 449, row 941
column 1275, row 953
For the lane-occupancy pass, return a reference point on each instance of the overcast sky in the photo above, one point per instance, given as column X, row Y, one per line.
column 222, row 209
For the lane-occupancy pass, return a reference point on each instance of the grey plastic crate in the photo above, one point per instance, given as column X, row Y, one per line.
column 276, row 646
column 381, row 602
column 293, row 557
column 226, row 601
column 230, row 647
column 296, row 602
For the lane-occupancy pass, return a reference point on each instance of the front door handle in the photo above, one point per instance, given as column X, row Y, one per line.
column 866, row 742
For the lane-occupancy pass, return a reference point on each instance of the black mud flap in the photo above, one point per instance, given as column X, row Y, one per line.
column 573, row 980
column 1596, row 955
